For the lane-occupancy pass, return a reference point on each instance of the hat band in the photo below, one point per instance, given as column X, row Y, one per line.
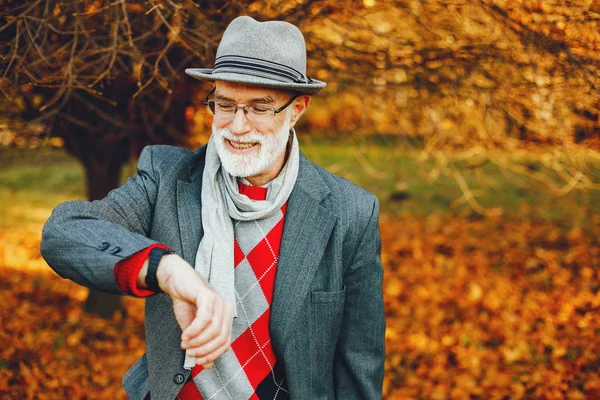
column 259, row 68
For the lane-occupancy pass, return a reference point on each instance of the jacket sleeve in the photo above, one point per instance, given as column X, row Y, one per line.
column 128, row 269
column 360, row 352
column 83, row 241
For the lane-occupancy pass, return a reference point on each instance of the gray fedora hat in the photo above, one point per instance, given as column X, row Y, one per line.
column 270, row 54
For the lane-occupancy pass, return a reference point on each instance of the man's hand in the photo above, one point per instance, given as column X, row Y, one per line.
column 204, row 317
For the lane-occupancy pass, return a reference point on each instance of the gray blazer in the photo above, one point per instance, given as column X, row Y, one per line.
column 327, row 322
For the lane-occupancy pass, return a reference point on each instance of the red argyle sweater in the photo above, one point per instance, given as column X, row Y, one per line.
column 249, row 369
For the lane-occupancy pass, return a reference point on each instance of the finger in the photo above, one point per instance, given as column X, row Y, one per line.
column 211, row 357
column 202, row 318
column 212, row 330
column 221, row 343
column 207, row 365
column 208, row 347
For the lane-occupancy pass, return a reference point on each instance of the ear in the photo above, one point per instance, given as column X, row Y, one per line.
column 298, row 108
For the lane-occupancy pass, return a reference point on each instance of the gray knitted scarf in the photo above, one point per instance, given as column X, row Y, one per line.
column 222, row 202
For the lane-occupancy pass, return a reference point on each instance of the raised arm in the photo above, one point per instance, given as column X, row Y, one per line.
column 83, row 241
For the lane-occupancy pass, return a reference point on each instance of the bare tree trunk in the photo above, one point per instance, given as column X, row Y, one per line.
column 102, row 175
column 102, row 304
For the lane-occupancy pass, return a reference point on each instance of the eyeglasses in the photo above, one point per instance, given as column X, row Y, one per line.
column 254, row 112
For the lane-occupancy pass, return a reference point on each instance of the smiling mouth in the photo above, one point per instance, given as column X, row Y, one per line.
column 241, row 146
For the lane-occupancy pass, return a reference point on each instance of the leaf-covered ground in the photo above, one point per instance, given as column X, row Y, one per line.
column 52, row 350
column 491, row 309
column 476, row 308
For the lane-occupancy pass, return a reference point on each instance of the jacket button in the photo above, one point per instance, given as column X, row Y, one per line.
column 178, row 378
column 104, row 246
column 115, row 250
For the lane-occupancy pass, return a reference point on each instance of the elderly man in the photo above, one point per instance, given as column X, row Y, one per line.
column 261, row 271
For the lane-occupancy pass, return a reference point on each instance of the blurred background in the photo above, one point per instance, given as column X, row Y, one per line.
column 475, row 122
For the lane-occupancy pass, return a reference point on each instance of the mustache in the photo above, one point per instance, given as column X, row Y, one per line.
column 225, row 133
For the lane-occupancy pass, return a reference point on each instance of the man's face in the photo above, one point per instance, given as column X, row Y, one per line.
column 250, row 146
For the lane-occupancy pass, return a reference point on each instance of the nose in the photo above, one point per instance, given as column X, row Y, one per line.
column 239, row 124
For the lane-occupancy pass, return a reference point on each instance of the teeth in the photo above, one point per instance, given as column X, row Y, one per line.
column 237, row 145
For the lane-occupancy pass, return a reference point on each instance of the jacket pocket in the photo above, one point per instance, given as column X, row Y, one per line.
column 326, row 319
column 328, row 297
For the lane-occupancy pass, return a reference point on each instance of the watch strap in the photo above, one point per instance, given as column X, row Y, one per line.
column 153, row 260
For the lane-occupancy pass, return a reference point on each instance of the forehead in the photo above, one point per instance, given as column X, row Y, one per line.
column 244, row 93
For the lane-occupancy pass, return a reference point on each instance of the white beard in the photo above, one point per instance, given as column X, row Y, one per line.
column 270, row 147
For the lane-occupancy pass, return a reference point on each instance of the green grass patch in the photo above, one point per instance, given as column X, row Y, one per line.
column 32, row 182
column 522, row 185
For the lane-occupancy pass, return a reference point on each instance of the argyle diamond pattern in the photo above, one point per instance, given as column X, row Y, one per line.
column 249, row 369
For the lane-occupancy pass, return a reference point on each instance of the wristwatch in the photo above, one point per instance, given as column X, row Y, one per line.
column 153, row 260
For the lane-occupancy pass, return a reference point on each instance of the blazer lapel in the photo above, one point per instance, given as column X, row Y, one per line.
column 306, row 231
column 189, row 211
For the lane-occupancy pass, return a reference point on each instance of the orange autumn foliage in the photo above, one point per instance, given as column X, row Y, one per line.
column 490, row 309
column 476, row 308
column 53, row 350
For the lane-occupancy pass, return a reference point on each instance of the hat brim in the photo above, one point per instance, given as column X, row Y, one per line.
column 205, row 74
